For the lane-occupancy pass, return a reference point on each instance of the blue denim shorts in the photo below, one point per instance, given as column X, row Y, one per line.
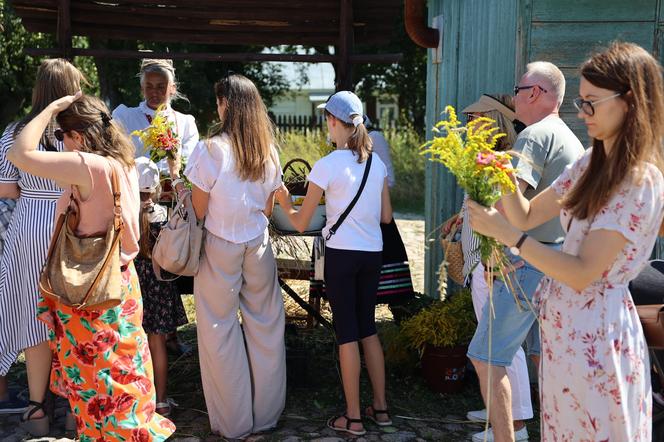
column 513, row 324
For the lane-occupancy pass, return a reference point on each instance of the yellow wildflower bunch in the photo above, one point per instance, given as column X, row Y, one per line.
column 159, row 138
column 468, row 153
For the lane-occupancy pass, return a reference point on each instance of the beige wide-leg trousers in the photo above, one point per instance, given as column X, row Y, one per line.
column 244, row 376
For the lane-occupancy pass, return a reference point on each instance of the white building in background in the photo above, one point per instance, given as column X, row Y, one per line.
column 302, row 100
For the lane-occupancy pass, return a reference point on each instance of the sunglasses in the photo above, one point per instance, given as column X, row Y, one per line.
column 59, row 134
column 588, row 107
column 517, row 88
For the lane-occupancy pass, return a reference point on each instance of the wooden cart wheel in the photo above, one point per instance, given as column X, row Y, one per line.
column 295, row 176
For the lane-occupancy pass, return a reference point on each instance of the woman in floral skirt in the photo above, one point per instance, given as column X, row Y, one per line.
column 101, row 360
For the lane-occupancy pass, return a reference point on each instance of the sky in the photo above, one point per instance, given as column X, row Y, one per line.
column 321, row 75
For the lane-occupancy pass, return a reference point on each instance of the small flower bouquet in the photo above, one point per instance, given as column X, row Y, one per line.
column 159, row 137
column 468, row 153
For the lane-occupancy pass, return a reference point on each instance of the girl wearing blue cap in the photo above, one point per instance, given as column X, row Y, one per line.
column 357, row 201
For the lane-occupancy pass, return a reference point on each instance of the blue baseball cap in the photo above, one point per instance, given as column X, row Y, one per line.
column 344, row 105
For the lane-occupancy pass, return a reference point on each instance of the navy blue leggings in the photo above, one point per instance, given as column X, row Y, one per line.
column 351, row 281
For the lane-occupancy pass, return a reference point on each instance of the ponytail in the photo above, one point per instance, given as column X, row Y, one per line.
column 360, row 143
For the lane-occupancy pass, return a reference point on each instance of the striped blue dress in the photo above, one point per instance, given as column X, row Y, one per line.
column 24, row 253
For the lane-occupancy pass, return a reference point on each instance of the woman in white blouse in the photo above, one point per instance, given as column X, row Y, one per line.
column 159, row 87
column 234, row 176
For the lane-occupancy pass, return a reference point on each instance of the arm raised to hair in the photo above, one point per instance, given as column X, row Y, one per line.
column 63, row 167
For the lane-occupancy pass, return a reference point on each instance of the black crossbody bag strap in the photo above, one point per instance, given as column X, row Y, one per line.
column 343, row 216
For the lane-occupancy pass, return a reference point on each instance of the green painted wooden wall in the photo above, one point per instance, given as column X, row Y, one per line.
column 486, row 45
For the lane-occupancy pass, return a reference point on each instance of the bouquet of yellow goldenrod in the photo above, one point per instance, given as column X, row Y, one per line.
column 159, row 137
column 468, row 153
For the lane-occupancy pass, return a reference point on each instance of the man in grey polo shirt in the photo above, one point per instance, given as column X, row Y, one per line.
column 546, row 147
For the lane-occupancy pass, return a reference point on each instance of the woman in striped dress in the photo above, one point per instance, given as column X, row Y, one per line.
column 27, row 241
column 498, row 108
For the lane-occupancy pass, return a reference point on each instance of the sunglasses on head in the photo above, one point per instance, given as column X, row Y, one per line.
column 59, row 134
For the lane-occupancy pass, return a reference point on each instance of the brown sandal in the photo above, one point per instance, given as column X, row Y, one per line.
column 347, row 429
column 371, row 413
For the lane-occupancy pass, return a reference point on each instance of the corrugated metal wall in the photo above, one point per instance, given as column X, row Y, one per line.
column 486, row 45
column 478, row 56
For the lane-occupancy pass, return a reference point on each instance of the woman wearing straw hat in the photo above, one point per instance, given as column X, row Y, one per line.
column 498, row 108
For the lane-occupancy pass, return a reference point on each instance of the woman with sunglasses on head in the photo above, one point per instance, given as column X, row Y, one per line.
column 27, row 241
column 101, row 359
column 594, row 371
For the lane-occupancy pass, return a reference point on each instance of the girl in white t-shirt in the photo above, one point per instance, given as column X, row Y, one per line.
column 352, row 253
column 234, row 176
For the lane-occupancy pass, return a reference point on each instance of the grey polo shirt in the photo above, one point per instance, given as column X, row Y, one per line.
column 546, row 147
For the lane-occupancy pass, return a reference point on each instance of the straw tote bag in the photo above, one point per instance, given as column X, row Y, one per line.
column 452, row 248
column 179, row 244
column 84, row 272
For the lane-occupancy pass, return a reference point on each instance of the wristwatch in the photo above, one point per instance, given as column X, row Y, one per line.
column 516, row 249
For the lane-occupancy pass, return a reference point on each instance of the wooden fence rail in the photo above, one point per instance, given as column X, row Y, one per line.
column 291, row 123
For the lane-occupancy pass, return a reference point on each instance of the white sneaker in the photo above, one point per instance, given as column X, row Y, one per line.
column 487, row 436
column 477, row 415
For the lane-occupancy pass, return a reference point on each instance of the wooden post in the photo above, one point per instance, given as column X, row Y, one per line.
column 64, row 29
column 345, row 47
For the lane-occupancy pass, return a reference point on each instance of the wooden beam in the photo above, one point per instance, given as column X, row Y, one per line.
column 248, row 37
column 211, row 56
column 344, row 80
column 64, row 29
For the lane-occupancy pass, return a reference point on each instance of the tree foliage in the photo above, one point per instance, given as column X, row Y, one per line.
column 405, row 80
column 115, row 80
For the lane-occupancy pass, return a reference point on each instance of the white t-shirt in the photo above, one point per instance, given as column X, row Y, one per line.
column 382, row 148
column 339, row 175
column 235, row 207
column 136, row 118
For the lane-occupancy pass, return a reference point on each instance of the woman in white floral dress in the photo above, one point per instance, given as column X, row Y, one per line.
column 594, row 377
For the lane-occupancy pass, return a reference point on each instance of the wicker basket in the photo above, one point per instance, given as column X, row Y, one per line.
column 452, row 249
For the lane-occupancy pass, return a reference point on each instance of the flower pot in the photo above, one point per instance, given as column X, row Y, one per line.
column 444, row 368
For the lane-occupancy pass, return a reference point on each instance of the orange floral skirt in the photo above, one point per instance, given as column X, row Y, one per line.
column 102, row 365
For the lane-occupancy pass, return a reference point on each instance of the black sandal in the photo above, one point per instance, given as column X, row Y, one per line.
column 374, row 413
column 38, row 427
column 347, row 429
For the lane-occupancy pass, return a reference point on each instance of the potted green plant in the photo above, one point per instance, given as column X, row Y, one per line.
column 441, row 333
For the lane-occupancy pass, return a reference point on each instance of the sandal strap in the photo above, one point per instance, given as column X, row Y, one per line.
column 350, row 421
column 375, row 411
column 36, row 406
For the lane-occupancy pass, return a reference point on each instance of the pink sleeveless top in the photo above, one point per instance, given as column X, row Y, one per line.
column 96, row 212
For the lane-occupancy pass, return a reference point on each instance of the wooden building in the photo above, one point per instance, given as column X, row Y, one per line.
column 485, row 45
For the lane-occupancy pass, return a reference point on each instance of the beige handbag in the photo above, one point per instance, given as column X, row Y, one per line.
column 84, row 272
column 179, row 244
column 452, row 249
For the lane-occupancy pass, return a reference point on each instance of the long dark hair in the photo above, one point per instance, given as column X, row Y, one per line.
column 248, row 125
column 56, row 78
column 630, row 70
